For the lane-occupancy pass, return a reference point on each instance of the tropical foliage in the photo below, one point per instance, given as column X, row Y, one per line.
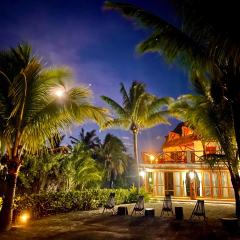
column 31, row 112
column 51, row 203
column 90, row 139
column 139, row 110
column 204, row 43
column 80, row 170
column 114, row 158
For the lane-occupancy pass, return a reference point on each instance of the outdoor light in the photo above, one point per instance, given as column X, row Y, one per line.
column 191, row 175
column 150, row 179
column 24, row 217
column 151, row 157
column 142, row 173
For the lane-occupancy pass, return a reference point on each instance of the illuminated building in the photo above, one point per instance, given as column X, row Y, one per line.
column 182, row 171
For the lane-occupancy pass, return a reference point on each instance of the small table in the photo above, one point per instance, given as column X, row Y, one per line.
column 149, row 212
column 230, row 223
column 179, row 213
column 122, row 211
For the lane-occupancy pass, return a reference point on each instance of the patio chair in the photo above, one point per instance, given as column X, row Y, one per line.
column 139, row 206
column 110, row 204
column 167, row 205
column 199, row 210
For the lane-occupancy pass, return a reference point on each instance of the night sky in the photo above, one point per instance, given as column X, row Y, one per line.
column 99, row 46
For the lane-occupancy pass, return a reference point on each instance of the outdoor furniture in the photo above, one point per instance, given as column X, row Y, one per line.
column 122, row 211
column 167, row 205
column 110, row 204
column 179, row 213
column 149, row 212
column 139, row 206
column 230, row 224
column 199, row 210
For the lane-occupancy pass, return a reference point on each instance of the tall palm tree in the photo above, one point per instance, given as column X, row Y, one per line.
column 31, row 111
column 139, row 110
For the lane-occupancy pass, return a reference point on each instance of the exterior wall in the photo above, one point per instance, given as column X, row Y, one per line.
column 211, row 184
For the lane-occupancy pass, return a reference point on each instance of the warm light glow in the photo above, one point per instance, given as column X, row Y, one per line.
column 151, row 157
column 191, row 175
column 59, row 92
column 142, row 173
column 150, row 179
column 24, row 217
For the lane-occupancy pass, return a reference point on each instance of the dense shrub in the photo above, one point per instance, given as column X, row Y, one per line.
column 59, row 202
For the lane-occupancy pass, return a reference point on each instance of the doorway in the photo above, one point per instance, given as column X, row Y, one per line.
column 168, row 182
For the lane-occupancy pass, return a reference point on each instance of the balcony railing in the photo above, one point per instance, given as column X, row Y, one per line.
column 176, row 157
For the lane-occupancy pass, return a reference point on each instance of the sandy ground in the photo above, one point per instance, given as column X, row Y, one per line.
column 93, row 225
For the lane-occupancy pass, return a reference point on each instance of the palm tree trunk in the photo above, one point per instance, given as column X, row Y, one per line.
column 135, row 144
column 236, row 187
column 237, row 200
column 6, row 213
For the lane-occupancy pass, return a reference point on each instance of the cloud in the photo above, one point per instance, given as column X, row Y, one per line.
column 125, row 138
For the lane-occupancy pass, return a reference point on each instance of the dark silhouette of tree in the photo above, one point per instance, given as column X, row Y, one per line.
column 90, row 139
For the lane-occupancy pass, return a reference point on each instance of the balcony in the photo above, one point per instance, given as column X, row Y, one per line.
column 177, row 157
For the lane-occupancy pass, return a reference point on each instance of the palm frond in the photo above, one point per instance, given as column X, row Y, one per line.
column 115, row 106
column 117, row 123
column 125, row 97
column 166, row 38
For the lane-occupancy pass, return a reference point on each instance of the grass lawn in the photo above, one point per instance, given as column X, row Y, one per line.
column 93, row 225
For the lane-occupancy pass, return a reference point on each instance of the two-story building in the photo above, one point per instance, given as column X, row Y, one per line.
column 180, row 168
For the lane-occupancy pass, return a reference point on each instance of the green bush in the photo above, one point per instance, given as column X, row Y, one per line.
column 59, row 202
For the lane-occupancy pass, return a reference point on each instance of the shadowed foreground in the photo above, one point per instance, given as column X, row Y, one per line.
column 93, row 225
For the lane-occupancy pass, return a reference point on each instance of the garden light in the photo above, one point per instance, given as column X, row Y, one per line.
column 24, row 217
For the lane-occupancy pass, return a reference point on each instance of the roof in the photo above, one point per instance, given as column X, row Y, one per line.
column 177, row 137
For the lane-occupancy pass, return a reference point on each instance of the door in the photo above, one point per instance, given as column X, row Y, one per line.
column 168, row 179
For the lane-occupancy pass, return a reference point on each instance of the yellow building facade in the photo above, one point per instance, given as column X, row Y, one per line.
column 181, row 169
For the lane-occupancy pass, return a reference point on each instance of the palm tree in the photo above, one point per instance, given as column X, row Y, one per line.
column 113, row 154
column 210, row 116
column 204, row 42
column 80, row 169
column 35, row 103
column 139, row 110
column 90, row 139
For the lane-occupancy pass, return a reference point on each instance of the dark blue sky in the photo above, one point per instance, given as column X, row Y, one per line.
column 100, row 48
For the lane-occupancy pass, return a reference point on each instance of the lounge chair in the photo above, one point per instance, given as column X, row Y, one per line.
column 110, row 204
column 199, row 210
column 139, row 206
column 167, row 205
